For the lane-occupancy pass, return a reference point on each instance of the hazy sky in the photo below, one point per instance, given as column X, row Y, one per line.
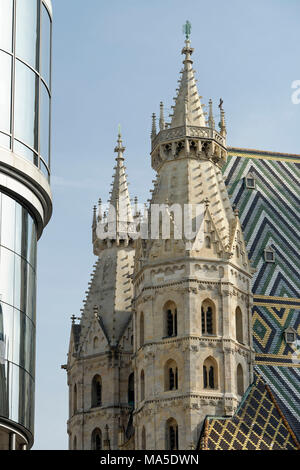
column 113, row 62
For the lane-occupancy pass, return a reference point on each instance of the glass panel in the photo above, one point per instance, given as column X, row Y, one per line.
column 23, row 341
column 6, row 24
column 7, row 275
column 31, row 293
column 45, row 123
column 8, row 228
column 45, row 45
column 26, row 105
column 27, row 28
column 44, row 169
column 32, row 243
column 5, row 90
column 25, row 152
column 6, row 332
column 20, row 395
column 4, row 141
column 18, row 229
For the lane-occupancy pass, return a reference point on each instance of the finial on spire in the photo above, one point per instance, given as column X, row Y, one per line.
column 73, row 318
column 161, row 117
column 153, row 132
column 99, row 209
column 135, row 206
column 94, row 217
column 119, row 149
column 211, row 121
column 187, row 28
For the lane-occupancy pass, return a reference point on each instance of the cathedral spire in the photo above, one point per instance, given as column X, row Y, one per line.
column 188, row 109
column 120, row 212
column 117, row 222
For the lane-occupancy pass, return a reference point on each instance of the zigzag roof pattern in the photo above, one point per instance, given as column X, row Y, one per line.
column 258, row 424
column 269, row 219
column 284, row 383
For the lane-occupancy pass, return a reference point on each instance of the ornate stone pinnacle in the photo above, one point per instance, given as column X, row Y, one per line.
column 119, row 149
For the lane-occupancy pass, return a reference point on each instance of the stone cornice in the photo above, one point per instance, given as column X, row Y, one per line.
column 187, row 281
column 229, row 345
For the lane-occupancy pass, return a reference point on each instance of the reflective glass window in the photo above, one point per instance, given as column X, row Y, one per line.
column 31, row 293
column 5, row 90
column 6, row 24
column 27, row 31
column 7, row 266
column 21, row 396
column 8, row 210
column 5, row 141
column 6, row 332
column 44, row 123
column 44, row 169
column 23, row 341
column 26, row 105
column 32, row 243
column 23, row 151
column 20, row 283
column 45, row 45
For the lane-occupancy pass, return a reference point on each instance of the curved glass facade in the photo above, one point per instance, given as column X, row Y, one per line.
column 25, row 86
column 18, row 242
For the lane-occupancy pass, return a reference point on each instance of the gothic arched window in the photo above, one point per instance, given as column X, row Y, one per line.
column 96, row 342
column 142, row 329
column 171, row 375
column 172, row 434
column 75, row 443
column 210, row 374
column 96, row 391
column 75, row 399
column 240, row 380
column 238, row 325
column 208, row 317
column 131, row 390
column 96, row 443
column 142, row 385
column 170, row 313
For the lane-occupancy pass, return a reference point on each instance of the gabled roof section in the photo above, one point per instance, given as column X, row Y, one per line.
column 259, row 424
column 188, row 109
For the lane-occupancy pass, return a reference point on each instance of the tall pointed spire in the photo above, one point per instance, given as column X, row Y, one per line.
column 120, row 206
column 117, row 223
column 188, row 109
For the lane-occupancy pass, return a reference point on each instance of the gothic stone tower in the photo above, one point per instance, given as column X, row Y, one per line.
column 193, row 352
column 99, row 359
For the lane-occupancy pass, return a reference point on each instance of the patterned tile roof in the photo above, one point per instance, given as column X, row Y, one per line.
column 258, row 424
column 284, row 383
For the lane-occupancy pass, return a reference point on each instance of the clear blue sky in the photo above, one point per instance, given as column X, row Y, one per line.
column 113, row 62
